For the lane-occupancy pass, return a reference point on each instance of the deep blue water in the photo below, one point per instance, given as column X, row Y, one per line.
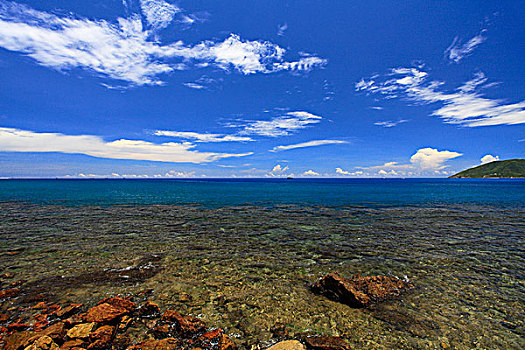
column 231, row 192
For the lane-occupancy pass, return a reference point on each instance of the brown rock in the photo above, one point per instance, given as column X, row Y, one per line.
column 17, row 340
column 162, row 330
column 105, row 313
column 119, row 303
column 185, row 297
column 152, row 344
column 101, row 338
column 360, row 291
column 70, row 344
column 4, row 317
column 288, row 345
column 55, row 331
column 9, row 293
column 225, row 343
column 186, row 325
column 68, row 310
column 326, row 343
column 43, row 343
column 81, row 330
column 149, row 310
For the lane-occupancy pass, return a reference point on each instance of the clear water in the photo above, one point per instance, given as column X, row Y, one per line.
column 245, row 252
column 231, row 192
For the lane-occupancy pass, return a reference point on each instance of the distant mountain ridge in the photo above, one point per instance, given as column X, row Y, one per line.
column 511, row 168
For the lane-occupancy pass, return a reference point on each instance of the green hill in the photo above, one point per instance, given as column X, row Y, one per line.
column 502, row 168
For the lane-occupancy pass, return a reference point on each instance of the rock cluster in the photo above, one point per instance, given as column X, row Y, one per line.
column 105, row 326
column 360, row 291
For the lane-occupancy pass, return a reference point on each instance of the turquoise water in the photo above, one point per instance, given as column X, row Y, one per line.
column 231, row 192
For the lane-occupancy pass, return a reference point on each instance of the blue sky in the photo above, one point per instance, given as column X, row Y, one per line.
column 155, row 88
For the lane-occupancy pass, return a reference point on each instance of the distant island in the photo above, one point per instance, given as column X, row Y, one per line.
column 511, row 168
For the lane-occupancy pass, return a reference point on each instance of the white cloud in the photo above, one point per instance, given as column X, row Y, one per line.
column 313, row 143
column 344, row 172
column 203, row 137
column 310, row 173
column 390, row 123
column 430, row 158
column 425, row 161
column 456, row 52
column 128, row 52
column 195, row 86
column 465, row 106
column 16, row 140
column 279, row 169
column 279, row 126
column 158, row 13
column 489, row 158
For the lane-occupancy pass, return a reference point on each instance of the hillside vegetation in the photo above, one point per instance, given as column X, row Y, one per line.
column 503, row 168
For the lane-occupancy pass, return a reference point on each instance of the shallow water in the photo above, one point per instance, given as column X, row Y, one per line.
column 247, row 268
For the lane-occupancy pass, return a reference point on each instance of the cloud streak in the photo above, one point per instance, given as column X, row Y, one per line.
column 198, row 137
column 464, row 106
column 279, row 126
column 313, row 143
column 456, row 52
column 390, row 123
column 16, row 140
column 126, row 51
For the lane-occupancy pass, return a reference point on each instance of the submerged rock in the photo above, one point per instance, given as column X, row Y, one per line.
column 105, row 313
column 185, row 325
column 288, row 345
column 360, row 291
column 326, row 343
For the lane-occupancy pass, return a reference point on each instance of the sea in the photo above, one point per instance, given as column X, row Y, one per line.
column 241, row 254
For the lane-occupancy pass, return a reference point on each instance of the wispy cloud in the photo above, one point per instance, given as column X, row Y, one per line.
column 281, row 29
column 278, row 126
column 456, row 51
column 16, row 140
column 198, row 137
column 313, row 143
column 158, row 13
column 390, row 123
column 465, row 106
column 489, row 158
column 126, row 51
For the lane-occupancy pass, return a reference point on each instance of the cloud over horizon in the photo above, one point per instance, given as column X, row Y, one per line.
column 16, row 140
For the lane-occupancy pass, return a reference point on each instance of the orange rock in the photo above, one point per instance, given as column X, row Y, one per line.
column 4, row 317
column 15, row 326
column 9, row 293
column 43, row 343
column 105, row 313
column 360, row 291
column 119, row 302
column 55, row 331
column 82, row 330
column 225, row 343
column 101, row 338
column 186, row 325
column 17, row 340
